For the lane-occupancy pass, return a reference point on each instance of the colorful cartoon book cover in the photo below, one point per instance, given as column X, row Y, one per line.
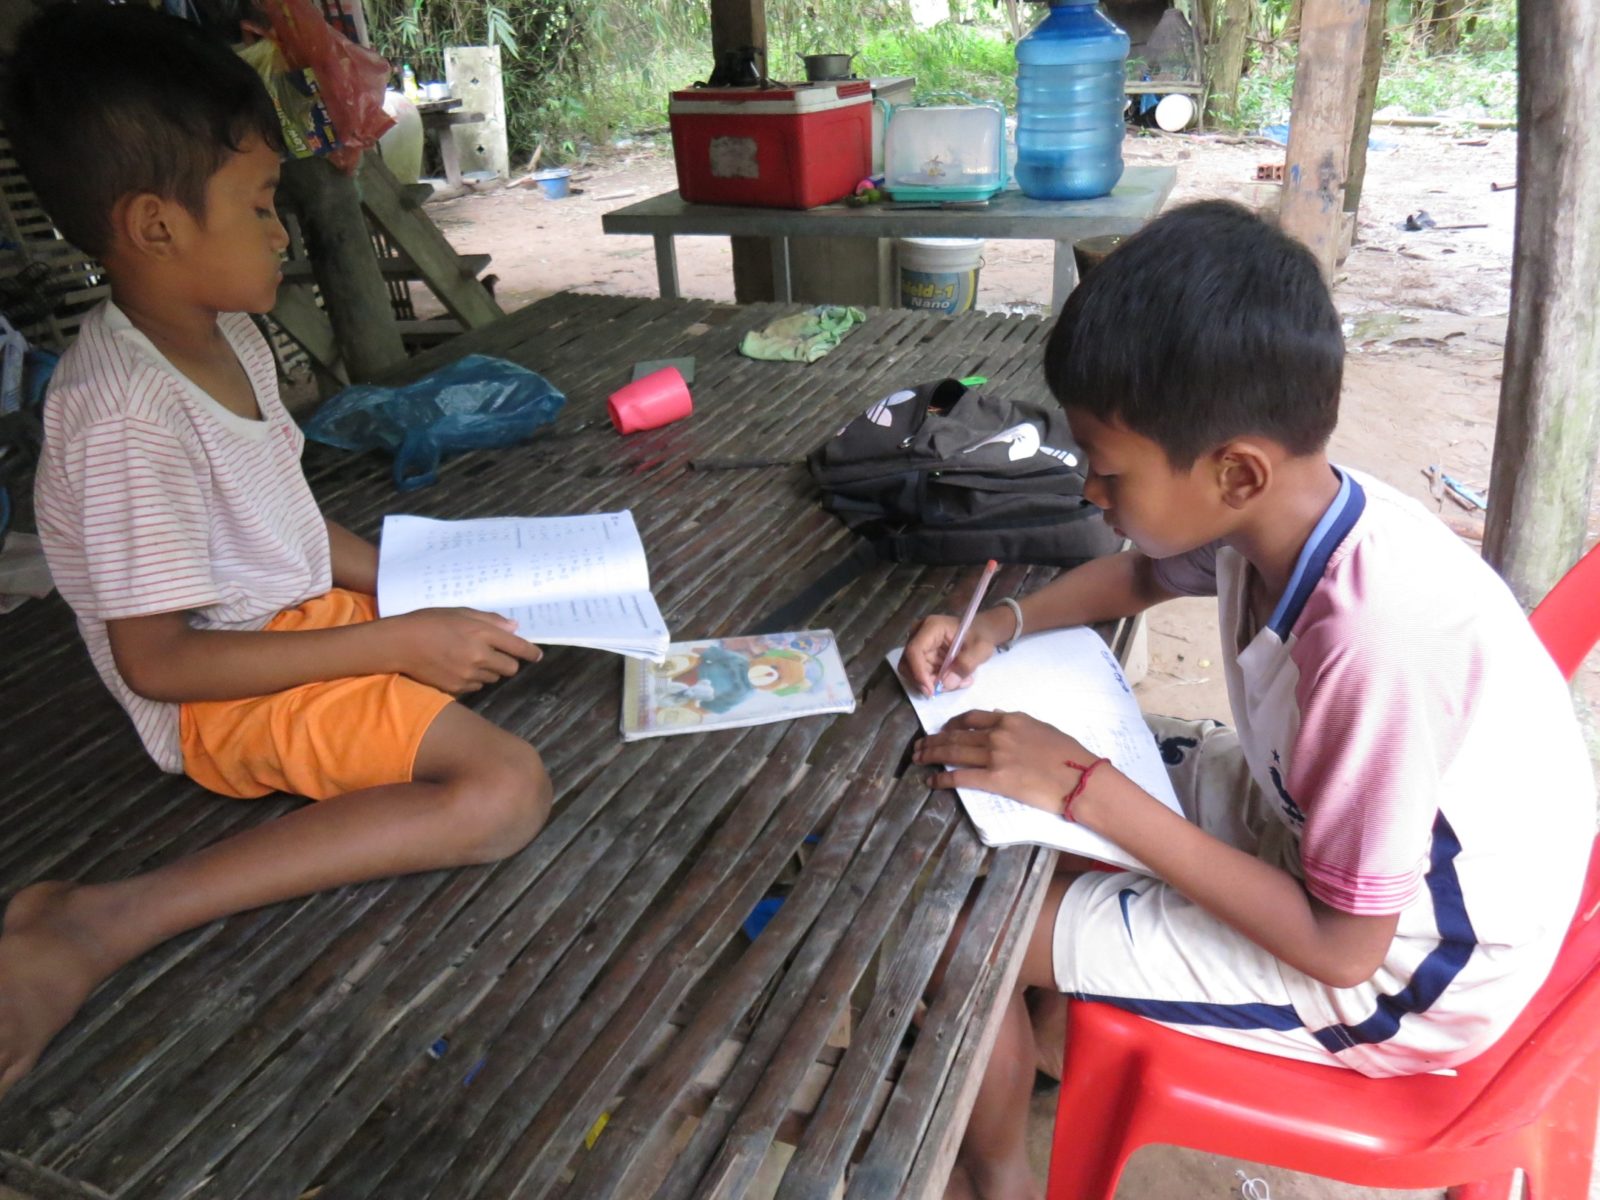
column 728, row 682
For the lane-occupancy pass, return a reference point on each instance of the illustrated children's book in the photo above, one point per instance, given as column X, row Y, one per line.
column 565, row 581
column 1070, row 679
column 720, row 684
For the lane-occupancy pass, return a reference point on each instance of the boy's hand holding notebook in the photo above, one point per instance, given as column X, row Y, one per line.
column 565, row 581
column 1070, row 679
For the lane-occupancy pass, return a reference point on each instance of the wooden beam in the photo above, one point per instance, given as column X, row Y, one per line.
column 472, row 265
column 296, row 312
column 420, row 240
column 738, row 23
column 734, row 25
column 340, row 248
column 1548, row 434
column 1326, row 78
column 1366, row 98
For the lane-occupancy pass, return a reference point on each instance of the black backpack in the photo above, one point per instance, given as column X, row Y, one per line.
column 947, row 473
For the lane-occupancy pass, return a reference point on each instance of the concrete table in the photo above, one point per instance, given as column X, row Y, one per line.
column 438, row 118
column 1134, row 201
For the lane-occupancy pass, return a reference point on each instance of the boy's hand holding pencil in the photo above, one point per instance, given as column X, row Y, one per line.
column 944, row 652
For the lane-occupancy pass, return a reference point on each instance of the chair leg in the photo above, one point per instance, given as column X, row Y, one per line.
column 1564, row 1158
column 1091, row 1141
column 1084, row 1171
column 1501, row 1187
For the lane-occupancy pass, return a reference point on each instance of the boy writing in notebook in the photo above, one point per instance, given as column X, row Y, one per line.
column 1382, row 854
column 230, row 619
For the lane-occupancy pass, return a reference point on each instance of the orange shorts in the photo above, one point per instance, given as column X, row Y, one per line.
column 319, row 739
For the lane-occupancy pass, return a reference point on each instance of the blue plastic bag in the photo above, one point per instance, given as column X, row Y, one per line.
column 475, row 403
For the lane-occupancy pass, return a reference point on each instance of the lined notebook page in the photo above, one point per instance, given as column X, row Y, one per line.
column 580, row 580
column 1070, row 679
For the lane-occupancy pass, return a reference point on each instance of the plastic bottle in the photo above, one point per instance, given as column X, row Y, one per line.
column 1070, row 79
column 408, row 83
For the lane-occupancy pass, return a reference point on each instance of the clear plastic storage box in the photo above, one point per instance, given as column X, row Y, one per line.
column 945, row 151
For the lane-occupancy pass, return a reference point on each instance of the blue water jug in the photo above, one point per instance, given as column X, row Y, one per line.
column 1070, row 75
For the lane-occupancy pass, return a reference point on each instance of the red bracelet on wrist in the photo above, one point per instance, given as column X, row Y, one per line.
column 1085, row 770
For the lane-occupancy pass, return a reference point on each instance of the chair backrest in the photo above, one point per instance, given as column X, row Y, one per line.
column 1568, row 619
column 1560, row 1027
column 1520, row 1075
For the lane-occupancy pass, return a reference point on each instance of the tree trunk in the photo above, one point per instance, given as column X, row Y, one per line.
column 1291, row 23
column 1418, row 23
column 1226, row 60
column 1366, row 97
column 345, row 266
column 1444, row 31
column 1327, row 76
column 1549, row 427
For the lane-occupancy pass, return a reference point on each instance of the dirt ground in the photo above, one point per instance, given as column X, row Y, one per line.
column 1425, row 318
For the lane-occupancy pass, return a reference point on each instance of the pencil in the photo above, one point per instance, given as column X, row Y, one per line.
column 966, row 623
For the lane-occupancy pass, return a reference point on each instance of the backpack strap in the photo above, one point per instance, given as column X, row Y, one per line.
column 795, row 612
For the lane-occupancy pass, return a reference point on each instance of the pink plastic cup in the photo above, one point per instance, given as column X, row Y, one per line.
column 650, row 401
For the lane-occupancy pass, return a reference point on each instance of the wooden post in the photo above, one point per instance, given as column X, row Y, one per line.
column 734, row 24
column 1366, row 98
column 1549, row 427
column 1326, row 77
column 344, row 265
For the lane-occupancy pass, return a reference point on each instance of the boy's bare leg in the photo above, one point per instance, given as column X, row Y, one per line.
column 1046, row 1005
column 993, row 1163
column 479, row 794
column 1047, row 1009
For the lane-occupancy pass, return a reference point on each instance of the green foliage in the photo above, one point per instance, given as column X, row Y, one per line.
column 947, row 58
column 1478, row 80
column 581, row 72
column 1472, row 85
column 575, row 71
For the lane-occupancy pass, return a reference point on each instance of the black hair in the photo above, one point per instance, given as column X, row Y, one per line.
column 1208, row 324
column 104, row 101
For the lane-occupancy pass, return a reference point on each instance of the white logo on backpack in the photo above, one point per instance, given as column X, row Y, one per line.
column 1024, row 442
column 879, row 413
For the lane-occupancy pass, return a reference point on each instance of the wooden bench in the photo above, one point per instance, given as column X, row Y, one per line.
column 471, row 1033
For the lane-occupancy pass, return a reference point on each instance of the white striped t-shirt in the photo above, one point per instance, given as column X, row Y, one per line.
column 152, row 497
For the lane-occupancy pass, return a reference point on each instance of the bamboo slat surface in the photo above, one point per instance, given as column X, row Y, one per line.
column 465, row 1033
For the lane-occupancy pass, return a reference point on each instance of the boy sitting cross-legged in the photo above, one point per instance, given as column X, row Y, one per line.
column 233, row 622
column 1382, row 855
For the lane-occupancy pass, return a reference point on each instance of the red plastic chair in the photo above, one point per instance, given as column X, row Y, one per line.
column 1529, row 1101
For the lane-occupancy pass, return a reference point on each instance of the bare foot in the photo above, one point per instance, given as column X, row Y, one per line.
column 50, row 961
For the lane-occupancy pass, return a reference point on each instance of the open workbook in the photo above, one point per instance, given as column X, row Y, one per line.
column 565, row 581
column 1070, row 679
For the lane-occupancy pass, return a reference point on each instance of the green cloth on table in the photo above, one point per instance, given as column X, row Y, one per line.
column 803, row 337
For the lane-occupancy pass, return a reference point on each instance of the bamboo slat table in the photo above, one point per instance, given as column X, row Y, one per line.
column 1135, row 200
column 585, row 1019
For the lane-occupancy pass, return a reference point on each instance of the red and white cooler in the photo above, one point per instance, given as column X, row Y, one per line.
column 789, row 146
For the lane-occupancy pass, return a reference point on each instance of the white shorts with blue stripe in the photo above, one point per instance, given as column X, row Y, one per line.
column 1135, row 942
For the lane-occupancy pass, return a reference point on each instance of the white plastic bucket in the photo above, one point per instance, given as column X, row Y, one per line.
column 401, row 146
column 939, row 274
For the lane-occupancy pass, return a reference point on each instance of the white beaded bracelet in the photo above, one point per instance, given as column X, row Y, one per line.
column 1016, row 611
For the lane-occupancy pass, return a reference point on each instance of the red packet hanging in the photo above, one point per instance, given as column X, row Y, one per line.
column 351, row 79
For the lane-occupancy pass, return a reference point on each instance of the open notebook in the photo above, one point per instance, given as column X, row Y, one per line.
column 1070, row 679
column 565, row 581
